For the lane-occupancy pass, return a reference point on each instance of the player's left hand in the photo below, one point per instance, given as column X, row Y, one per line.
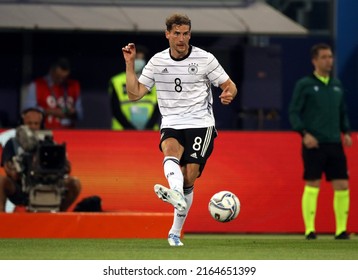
column 226, row 96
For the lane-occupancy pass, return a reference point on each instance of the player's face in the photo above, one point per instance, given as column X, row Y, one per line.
column 178, row 38
column 33, row 120
column 323, row 63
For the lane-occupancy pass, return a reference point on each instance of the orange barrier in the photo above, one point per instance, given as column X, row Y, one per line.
column 85, row 225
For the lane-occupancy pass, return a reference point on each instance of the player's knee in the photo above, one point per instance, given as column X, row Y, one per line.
column 313, row 183
column 340, row 185
column 171, row 147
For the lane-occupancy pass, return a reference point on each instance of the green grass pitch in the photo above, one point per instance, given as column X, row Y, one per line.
column 197, row 247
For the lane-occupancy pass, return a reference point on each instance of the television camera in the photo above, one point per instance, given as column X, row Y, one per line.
column 43, row 166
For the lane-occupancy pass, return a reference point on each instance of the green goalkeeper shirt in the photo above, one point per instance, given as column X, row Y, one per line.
column 319, row 109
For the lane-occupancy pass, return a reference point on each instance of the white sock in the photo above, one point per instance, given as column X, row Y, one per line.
column 172, row 172
column 180, row 216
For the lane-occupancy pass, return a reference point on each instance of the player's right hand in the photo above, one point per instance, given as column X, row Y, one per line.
column 129, row 52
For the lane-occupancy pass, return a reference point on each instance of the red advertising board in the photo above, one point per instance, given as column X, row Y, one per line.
column 263, row 169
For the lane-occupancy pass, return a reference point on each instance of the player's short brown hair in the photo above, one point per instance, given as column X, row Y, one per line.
column 177, row 19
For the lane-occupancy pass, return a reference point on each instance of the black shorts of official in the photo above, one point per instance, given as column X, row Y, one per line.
column 19, row 197
column 198, row 143
column 328, row 159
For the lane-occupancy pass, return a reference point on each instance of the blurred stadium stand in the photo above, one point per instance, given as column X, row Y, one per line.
column 260, row 107
column 220, row 17
column 96, row 105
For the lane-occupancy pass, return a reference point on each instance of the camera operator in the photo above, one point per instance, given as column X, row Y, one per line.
column 11, row 185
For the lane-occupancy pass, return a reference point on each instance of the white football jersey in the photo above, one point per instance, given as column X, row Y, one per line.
column 184, row 87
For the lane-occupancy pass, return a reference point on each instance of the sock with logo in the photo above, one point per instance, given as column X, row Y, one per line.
column 341, row 210
column 180, row 216
column 173, row 173
column 309, row 207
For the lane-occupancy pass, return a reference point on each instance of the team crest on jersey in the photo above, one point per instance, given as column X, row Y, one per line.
column 193, row 68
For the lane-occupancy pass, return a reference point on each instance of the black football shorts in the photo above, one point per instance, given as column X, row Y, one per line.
column 198, row 143
column 328, row 159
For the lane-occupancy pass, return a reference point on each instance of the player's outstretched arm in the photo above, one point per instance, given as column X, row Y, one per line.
column 229, row 92
column 135, row 90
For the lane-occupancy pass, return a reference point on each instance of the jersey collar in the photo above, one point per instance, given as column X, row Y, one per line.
column 180, row 59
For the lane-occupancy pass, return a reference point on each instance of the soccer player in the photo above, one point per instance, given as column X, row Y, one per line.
column 183, row 75
column 318, row 112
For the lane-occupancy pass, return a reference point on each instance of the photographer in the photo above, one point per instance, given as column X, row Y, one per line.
column 11, row 186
